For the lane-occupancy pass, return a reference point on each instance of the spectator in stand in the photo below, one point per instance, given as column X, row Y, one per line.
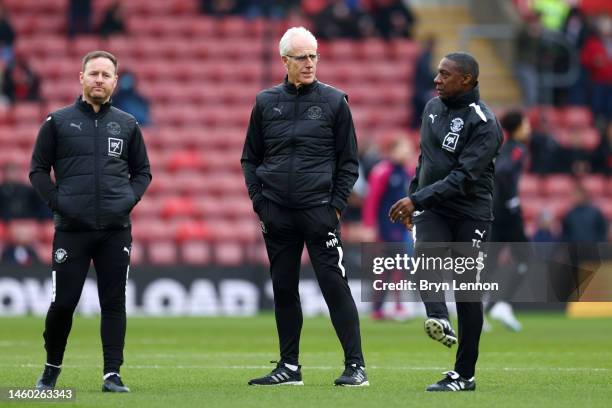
column 128, row 99
column 79, row 17
column 7, row 35
column 423, row 81
column 219, row 7
column 544, row 231
column 19, row 250
column 17, row 199
column 576, row 31
column 545, row 151
column 597, row 58
column 337, row 20
column 527, row 49
column 584, row 222
column 388, row 182
column 602, row 156
column 113, row 21
column 20, row 83
column 574, row 158
column 552, row 12
column 393, row 18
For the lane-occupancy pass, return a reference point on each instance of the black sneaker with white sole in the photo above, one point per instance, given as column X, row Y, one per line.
column 353, row 376
column 48, row 378
column 281, row 375
column 453, row 382
column 113, row 383
column 441, row 330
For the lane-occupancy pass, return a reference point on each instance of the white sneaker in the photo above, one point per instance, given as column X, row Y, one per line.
column 502, row 312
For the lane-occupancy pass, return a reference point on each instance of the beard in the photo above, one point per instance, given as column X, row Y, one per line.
column 98, row 97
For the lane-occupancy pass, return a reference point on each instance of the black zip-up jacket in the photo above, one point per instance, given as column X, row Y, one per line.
column 100, row 164
column 460, row 138
column 300, row 149
column 508, row 168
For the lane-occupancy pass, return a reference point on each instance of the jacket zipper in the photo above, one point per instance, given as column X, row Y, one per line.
column 295, row 121
column 96, row 176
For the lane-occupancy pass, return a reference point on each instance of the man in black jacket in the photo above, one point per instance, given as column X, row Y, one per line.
column 101, row 171
column 450, row 200
column 300, row 164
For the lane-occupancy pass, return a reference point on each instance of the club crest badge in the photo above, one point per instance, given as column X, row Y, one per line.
column 314, row 113
column 60, row 255
column 456, row 125
column 113, row 128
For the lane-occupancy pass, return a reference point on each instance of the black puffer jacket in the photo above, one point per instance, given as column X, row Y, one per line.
column 100, row 164
column 300, row 149
column 460, row 139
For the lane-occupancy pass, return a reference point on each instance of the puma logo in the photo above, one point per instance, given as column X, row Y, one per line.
column 433, row 117
column 279, row 110
column 76, row 126
column 477, row 231
column 126, row 249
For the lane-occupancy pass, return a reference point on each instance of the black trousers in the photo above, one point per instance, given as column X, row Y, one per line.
column 285, row 232
column 433, row 227
column 72, row 255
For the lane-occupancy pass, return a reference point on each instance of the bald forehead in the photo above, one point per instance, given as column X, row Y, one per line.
column 302, row 42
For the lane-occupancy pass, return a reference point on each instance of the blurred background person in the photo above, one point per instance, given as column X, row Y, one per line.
column 20, row 83
column 20, row 249
column 508, row 219
column 113, row 21
column 388, row 182
column 7, row 35
column 79, row 17
column 19, row 200
column 129, row 99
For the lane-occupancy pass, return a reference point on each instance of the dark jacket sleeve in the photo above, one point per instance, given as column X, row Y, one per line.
column 43, row 158
column 138, row 163
column 347, row 163
column 473, row 160
column 252, row 157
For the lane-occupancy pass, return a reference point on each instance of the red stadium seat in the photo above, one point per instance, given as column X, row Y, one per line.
column 559, row 185
column 192, row 230
column 229, row 254
column 529, row 185
column 577, row 116
column 196, row 252
column 595, row 185
column 162, row 253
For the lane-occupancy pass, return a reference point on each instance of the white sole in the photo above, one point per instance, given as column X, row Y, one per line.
column 435, row 331
column 363, row 384
column 279, row 384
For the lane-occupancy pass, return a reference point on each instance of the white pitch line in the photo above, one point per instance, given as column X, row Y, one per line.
column 253, row 367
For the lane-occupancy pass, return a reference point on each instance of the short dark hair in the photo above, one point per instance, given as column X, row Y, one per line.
column 100, row 54
column 466, row 63
column 512, row 120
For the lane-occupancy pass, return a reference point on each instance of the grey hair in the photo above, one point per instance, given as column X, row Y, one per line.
column 284, row 46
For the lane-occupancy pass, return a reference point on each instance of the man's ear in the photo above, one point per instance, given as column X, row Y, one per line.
column 467, row 79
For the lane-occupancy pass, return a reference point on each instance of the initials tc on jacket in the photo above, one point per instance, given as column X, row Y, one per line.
column 300, row 150
column 100, row 164
column 455, row 173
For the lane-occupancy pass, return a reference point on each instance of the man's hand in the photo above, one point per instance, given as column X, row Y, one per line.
column 402, row 211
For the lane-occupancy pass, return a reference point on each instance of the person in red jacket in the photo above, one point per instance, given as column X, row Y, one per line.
column 596, row 56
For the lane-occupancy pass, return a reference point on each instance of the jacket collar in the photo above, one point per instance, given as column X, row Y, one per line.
column 87, row 108
column 463, row 100
column 304, row 89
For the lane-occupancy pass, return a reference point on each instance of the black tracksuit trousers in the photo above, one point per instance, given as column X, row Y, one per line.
column 72, row 255
column 285, row 231
column 433, row 227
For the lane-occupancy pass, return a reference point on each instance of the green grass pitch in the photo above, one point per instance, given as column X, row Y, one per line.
column 206, row 362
